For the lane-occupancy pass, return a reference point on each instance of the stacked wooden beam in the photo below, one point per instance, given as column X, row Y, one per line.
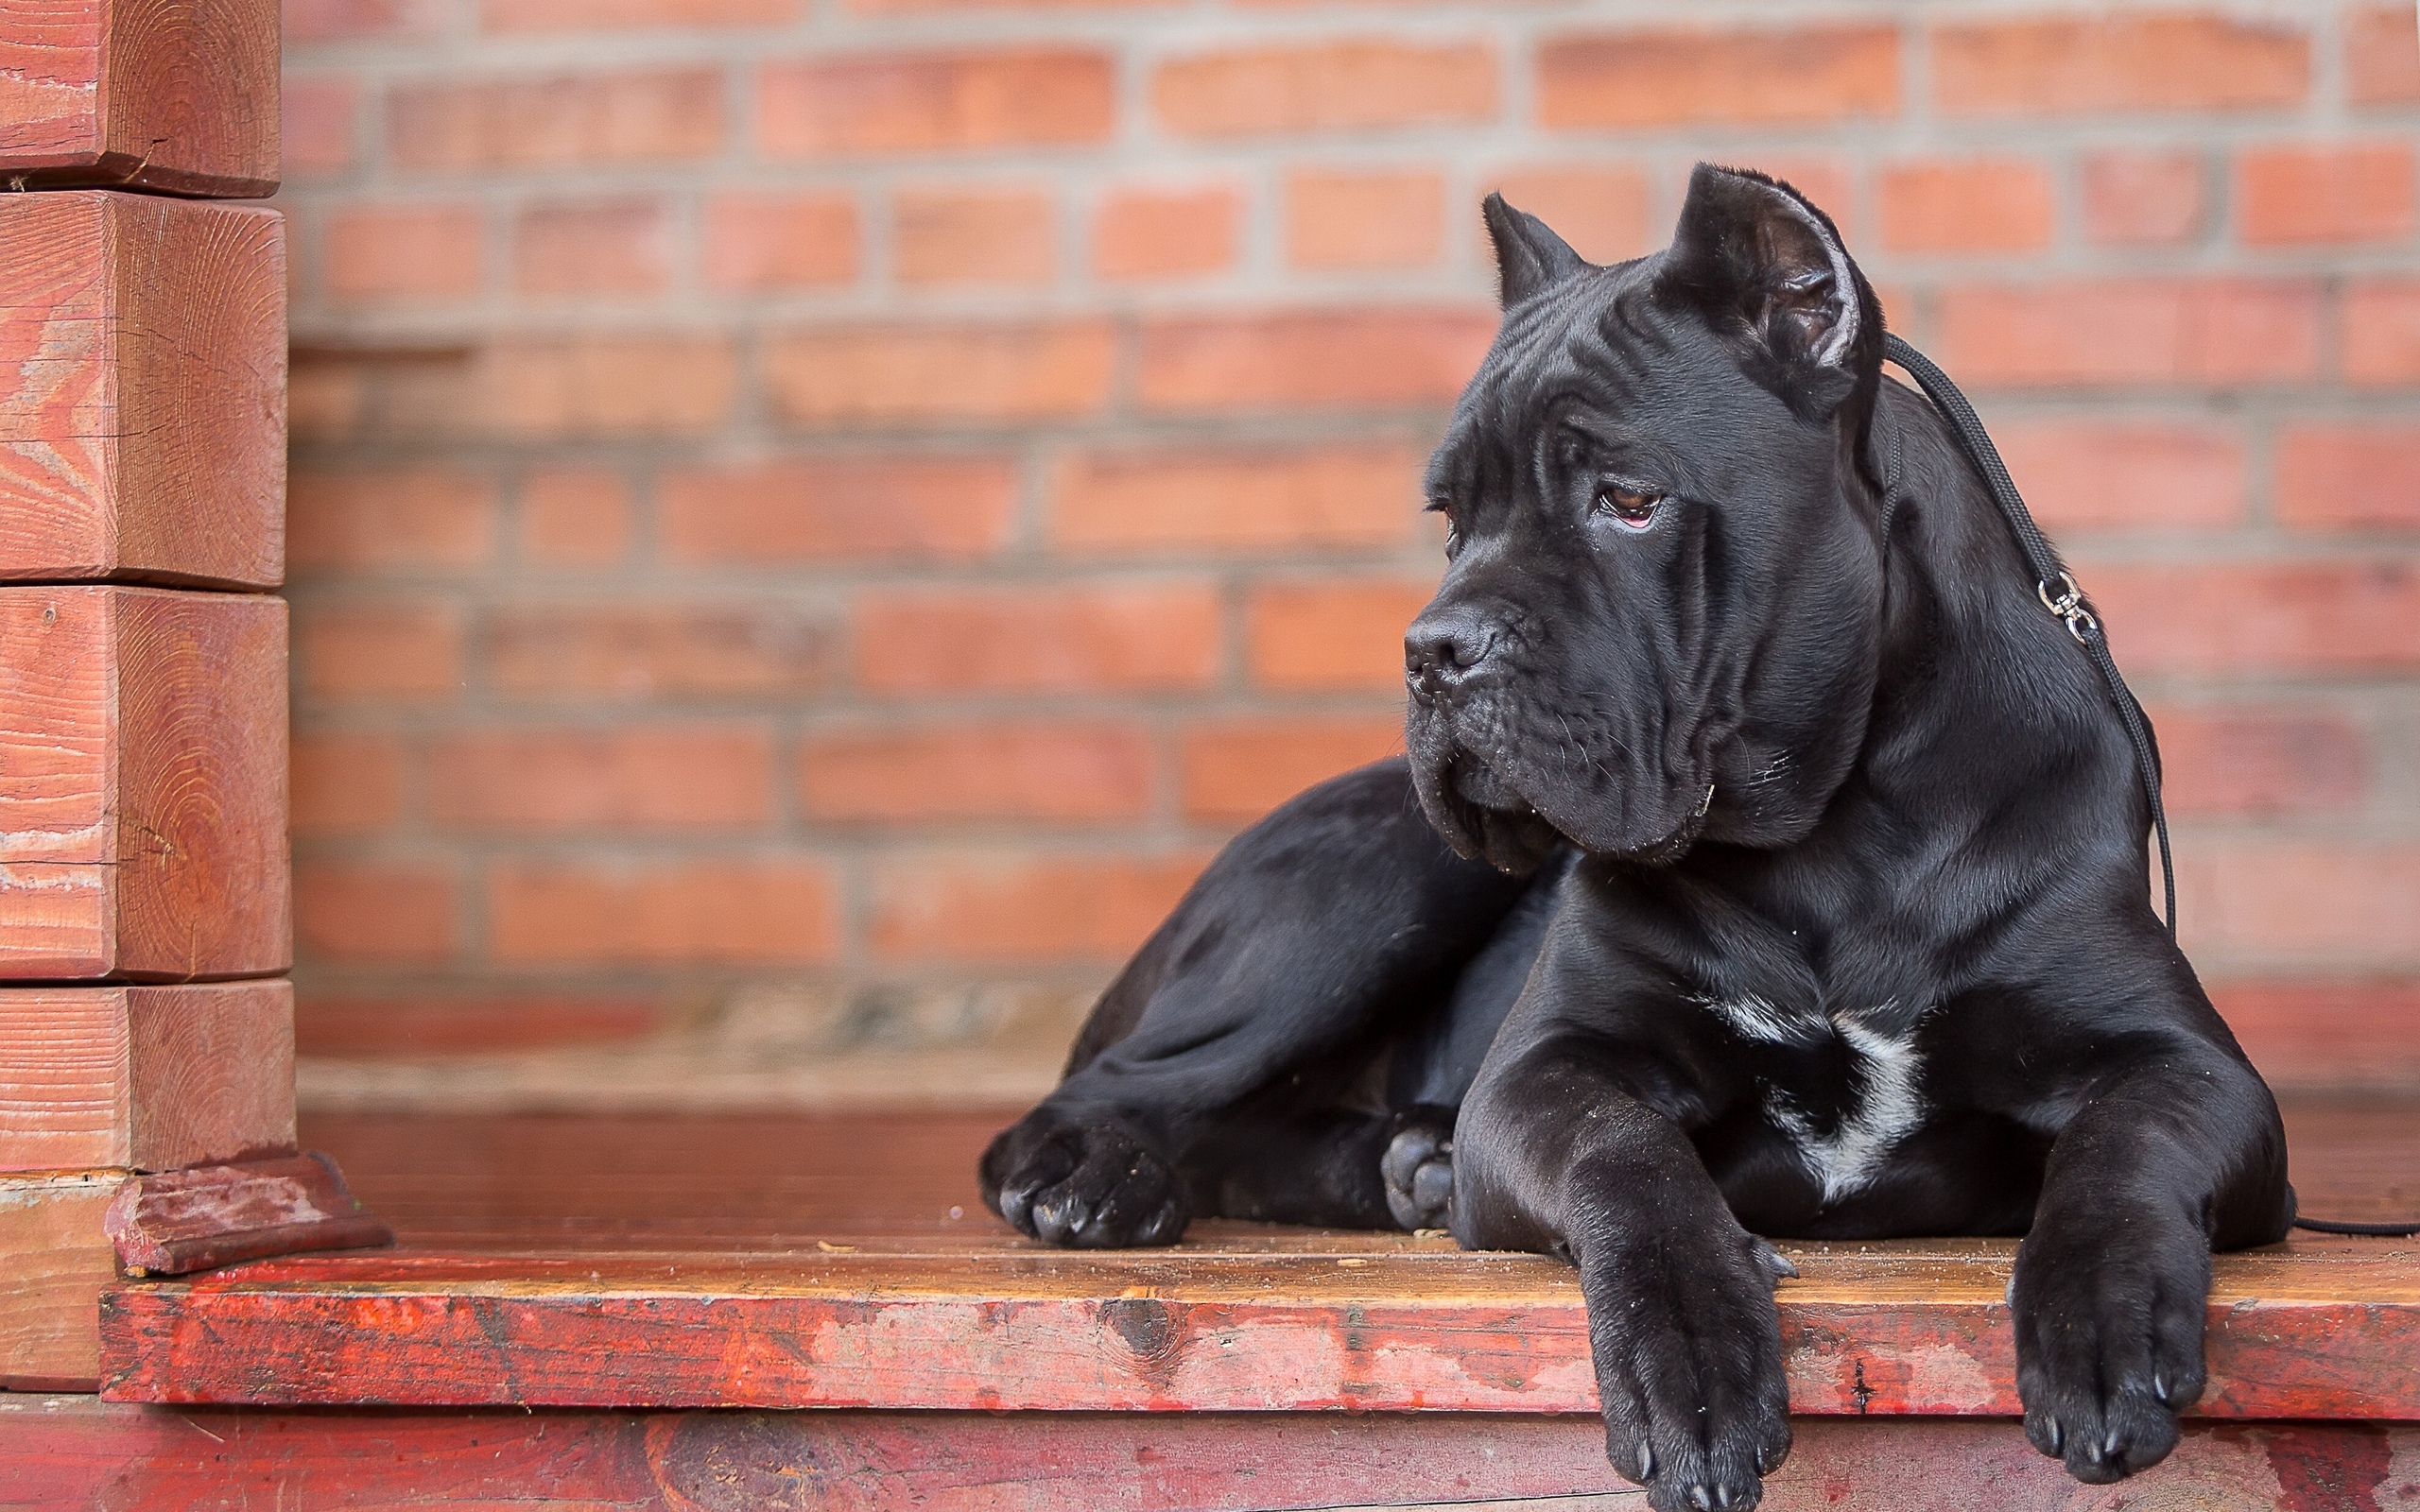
column 145, row 906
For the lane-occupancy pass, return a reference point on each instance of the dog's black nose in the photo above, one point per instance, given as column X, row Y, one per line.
column 1442, row 647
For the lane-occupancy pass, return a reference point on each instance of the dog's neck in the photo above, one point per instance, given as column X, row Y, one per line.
column 1976, row 683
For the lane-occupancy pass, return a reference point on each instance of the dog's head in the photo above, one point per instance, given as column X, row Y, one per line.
column 1660, row 613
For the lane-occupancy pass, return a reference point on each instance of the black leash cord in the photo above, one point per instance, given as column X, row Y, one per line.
column 2060, row 595
column 2052, row 583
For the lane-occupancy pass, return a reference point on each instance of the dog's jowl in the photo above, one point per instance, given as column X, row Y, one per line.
column 1766, row 862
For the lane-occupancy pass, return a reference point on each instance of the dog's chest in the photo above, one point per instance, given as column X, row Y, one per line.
column 1844, row 1125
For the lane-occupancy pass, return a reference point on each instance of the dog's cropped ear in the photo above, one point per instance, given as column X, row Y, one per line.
column 1529, row 255
column 1766, row 269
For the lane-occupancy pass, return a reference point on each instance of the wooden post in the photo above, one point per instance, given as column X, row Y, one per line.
column 147, row 1035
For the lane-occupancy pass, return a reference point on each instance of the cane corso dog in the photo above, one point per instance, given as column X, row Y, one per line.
column 1766, row 861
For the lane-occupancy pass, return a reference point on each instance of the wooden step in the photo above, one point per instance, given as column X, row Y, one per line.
column 78, row 1453
column 844, row 1261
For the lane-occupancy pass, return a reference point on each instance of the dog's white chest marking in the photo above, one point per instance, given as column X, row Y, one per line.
column 1884, row 1107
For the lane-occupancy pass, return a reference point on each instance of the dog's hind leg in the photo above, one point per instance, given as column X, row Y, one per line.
column 1339, row 920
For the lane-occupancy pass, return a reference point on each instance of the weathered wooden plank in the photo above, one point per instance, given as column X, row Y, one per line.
column 142, row 784
column 141, row 389
column 179, row 95
column 145, row 1077
column 54, row 1261
column 174, row 1222
column 2328, row 1333
column 67, row 1452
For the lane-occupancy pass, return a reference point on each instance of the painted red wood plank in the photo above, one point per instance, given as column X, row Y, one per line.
column 169, row 95
column 54, row 1261
column 76, row 1451
column 2327, row 1333
column 179, row 1221
column 141, row 388
column 142, row 784
column 146, row 1078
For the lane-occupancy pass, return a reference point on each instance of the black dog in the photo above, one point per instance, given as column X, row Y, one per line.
column 1834, row 922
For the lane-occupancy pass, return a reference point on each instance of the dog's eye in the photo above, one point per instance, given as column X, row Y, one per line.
column 1635, row 507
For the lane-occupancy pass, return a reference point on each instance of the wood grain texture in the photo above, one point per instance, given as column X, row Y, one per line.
column 2300, row 1331
column 54, row 1261
column 141, row 391
column 143, row 786
column 76, row 1451
column 177, row 96
column 174, row 1222
column 145, row 1077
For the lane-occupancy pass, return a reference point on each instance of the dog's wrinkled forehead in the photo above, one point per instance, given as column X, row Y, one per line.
column 1598, row 341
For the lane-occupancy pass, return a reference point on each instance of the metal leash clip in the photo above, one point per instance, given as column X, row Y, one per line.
column 2069, row 606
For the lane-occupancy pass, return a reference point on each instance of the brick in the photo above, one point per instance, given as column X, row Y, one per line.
column 373, row 913
column 592, row 247
column 2349, row 476
column 2216, row 331
column 1699, row 75
column 2383, row 56
column 852, row 376
column 1137, row 637
column 1239, row 769
column 619, row 653
column 2326, row 1036
column 533, row 389
column 1023, row 770
column 1343, row 634
column 758, row 912
column 767, row 241
column 346, row 786
column 2345, row 906
column 668, row 115
column 325, row 399
column 2275, row 617
column 2182, row 60
column 845, row 509
column 574, row 517
column 1144, row 232
column 2144, row 199
column 2340, row 192
column 2126, row 474
column 403, row 252
column 1263, row 499
column 2253, row 762
column 648, row 778
column 415, row 520
column 367, row 1027
column 934, row 101
column 308, row 21
column 379, row 652
column 317, row 125
column 1354, row 220
column 1319, row 359
column 2382, row 331
column 1023, row 908
column 631, row 15
column 1966, row 205
column 1603, row 213
column 1004, row 236
column 1342, row 85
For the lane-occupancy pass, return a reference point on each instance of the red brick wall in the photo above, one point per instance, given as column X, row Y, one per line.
column 840, row 494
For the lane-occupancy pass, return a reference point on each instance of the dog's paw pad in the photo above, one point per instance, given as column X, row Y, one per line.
column 1418, row 1170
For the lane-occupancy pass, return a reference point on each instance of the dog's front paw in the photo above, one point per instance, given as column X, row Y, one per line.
column 2109, row 1339
column 1418, row 1169
column 1088, row 1184
column 1687, row 1350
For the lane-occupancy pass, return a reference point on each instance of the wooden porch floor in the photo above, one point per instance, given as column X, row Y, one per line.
column 579, row 1303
